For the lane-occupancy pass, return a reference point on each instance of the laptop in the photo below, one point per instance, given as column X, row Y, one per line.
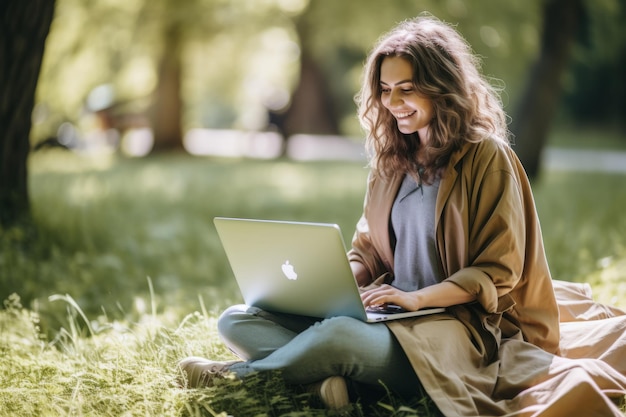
column 297, row 268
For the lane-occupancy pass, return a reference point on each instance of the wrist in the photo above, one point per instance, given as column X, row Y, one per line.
column 417, row 300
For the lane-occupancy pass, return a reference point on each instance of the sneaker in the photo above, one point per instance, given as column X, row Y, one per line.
column 200, row 372
column 333, row 391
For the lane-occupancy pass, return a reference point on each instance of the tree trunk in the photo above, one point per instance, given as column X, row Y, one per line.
column 311, row 109
column 24, row 27
column 531, row 122
column 166, row 113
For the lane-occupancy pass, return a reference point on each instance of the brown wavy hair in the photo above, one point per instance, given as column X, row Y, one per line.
column 467, row 108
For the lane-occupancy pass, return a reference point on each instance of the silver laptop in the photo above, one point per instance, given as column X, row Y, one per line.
column 297, row 268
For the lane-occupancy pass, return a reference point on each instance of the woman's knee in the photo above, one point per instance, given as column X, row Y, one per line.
column 233, row 310
column 343, row 325
column 334, row 333
column 231, row 316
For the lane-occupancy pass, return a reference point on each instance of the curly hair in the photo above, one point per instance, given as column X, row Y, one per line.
column 467, row 108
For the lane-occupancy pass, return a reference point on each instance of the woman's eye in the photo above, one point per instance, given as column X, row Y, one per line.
column 407, row 90
column 385, row 90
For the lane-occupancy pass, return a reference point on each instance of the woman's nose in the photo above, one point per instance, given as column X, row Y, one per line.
column 394, row 98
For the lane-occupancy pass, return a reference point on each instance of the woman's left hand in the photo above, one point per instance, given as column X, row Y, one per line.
column 387, row 294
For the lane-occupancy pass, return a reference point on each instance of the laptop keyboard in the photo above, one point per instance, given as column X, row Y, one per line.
column 385, row 309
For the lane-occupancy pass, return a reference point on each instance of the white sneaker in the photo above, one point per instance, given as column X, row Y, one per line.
column 200, row 372
column 333, row 391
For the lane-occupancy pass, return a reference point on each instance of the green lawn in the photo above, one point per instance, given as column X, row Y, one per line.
column 124, row 276
column 568, row 135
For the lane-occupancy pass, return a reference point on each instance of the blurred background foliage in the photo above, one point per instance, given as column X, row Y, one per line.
column 221, row 64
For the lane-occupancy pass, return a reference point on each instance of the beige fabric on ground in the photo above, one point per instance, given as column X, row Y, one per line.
column 575, row 301
column 590, row 329
column 525, row 380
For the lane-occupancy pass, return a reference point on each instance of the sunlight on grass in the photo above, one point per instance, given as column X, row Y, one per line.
column 609, row 282
column 587, row 138
column 87, row 190
column 583, row 221
column 157, row 178
column 59, row 161
column 291, row 180
column 121, row 369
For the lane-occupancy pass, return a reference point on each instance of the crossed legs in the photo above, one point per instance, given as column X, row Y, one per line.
column 308, row 350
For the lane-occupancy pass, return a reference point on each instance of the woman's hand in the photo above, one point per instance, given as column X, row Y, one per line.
column 444, row 294
column 386, row 294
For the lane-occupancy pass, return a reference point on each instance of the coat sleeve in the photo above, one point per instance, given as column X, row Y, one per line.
column 363, row 249
column 495, row 232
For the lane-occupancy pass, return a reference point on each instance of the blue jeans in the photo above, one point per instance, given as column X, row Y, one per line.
column 308, row 350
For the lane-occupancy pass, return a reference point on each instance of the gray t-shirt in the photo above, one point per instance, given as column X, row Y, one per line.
column 416, row 262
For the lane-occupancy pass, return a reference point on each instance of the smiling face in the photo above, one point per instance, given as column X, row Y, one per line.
column 412, row 111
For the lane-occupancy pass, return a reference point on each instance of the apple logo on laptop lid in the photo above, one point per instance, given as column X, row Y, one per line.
column 289, row 271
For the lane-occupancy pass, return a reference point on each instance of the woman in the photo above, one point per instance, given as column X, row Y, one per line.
column 449, row 221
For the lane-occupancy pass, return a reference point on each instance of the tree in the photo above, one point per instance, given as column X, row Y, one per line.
column 311, row 109
column 24, row 25
column 599, row 56
column 539, row 101
column 167, row 106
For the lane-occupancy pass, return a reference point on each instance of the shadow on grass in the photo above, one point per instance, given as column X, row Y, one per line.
column 267, row 394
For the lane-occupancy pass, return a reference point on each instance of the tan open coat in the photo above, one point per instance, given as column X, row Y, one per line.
column 498, row 355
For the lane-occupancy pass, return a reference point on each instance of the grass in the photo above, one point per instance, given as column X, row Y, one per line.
column 569, row 135
column 105, row 226
column 124, row 275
